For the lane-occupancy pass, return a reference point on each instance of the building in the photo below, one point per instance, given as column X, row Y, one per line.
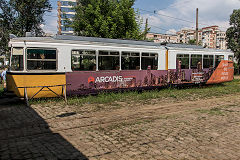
column 221, row 40
column 185, row 35
column 212, row 37
column 160, row 38
column 209, row 36
column 65, row 12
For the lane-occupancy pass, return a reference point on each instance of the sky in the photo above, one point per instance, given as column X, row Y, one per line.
column 169, row 16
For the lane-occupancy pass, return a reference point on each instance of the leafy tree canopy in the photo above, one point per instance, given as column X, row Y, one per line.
column 192, row 41
column 107, row 19
column 21, row 16
column 233, row 34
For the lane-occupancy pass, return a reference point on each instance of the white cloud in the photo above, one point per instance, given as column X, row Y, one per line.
column 211, row 12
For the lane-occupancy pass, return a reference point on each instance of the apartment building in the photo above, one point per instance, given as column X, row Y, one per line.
column 185, row 35
column 209, row 36
column 160, row 38
column 65, row 12
column 213, row 37
column 221, row 40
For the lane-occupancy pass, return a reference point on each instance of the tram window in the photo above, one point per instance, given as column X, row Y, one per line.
column 230, row 58
column 17, row 59
column 41, row 59
column 108, row 60
column 83, row 60
column 207, row 61
column 130, row 61
column 218, row 59
column 195, row 59
column 149, row 59
column 184, row 58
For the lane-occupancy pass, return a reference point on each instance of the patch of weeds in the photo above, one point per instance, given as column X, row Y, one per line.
column 124, row 124
column 1, row 92
column 116, row 106
column 216, row 111
column 135, row 122
column 212, row 111
column 98, row 108
column 145, row 97
column 231, row 105
column 172, row 96
column 1, row 89
column 47, row 101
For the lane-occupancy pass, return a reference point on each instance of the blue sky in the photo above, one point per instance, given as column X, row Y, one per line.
column 169, row 16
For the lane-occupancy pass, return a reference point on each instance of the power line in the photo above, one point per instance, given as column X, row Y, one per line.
column 167, row 16
column 154, row 12
column 162, row 28
column 180, row 19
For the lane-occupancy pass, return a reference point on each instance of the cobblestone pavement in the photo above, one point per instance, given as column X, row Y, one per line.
column 26, row 135
column 204, row 129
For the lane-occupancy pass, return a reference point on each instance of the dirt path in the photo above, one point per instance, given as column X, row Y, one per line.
column 203, row 129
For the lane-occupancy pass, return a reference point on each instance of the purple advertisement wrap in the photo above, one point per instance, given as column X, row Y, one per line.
column 85, row 82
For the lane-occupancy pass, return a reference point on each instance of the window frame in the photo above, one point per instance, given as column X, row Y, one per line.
column 213, row 61
column 189, row 62
column 26, row 59
column 109, row 55
column 67, row 9
column 122, row 56
column 23, row 60
column 87, row 55
column 195, row 58
column 149, row 56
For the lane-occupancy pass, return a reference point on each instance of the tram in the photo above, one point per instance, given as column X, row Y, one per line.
column 88, row 65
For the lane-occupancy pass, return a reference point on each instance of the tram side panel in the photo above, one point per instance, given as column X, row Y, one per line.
column 85, row 82
column 223, row 73
column 31, row 81
column 89, row 82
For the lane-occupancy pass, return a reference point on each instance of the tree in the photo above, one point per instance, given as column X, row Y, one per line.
column 21, row 16
column 107, row 19
column 7, row 24
column 30, row 14
column 146, row 30
column 192, row 41
column 233, row 35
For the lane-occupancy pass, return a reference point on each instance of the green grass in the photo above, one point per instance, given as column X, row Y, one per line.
column 148, row 97
column 212, row 111
column 1, row 90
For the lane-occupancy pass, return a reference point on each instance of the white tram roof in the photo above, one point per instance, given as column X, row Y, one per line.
column 194, row 47
column 81, row 39
column 86, row 40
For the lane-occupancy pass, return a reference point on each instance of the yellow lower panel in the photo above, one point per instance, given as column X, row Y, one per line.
column 19, row 80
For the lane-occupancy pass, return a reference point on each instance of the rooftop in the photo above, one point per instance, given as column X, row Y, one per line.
column 67, row 38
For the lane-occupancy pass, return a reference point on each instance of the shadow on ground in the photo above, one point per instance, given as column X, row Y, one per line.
column 25, row 135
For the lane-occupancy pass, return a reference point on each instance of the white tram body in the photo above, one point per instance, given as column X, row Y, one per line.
column 90, row 64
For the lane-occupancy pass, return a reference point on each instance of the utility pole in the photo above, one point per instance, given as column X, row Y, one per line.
column 146, row 29
column 197, row 26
